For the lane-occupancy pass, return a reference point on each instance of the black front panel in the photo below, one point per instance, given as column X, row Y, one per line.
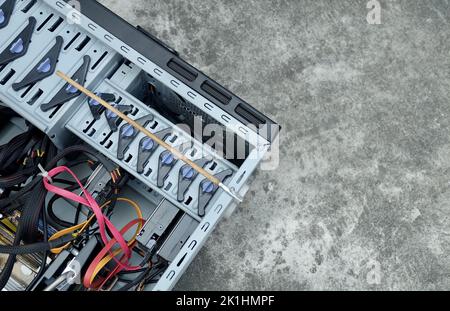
column 166, row 58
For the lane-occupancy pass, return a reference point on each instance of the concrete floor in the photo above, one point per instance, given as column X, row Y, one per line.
column 361, row 200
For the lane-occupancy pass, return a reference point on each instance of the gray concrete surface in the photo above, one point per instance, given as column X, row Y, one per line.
column 361, row 199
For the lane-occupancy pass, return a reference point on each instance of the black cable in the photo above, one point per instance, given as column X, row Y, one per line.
column 28, row 224
column 35, row 247
column 145, row 276
column 18, row 199
column 78, row 213
column 54, row 220
column 151, row 278
column 45, row 254
column 125, row 272
column 8, row 150
column 63, row 181
column 136, row 281
column 6, row 114
column 36, row 198
column 18, row 158
column 31, row 220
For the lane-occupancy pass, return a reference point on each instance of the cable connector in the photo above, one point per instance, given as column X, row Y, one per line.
column 40, row 153
column 44, row 173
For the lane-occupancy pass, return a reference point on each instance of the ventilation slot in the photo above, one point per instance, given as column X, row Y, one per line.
column 216, row 92
column 181, row 260
column 55, row 112
column 89, row 126
column 107, row 137
column 29, row 6
column 128, row 160
column 171, row 275
column 83, row 44
column 250, row 116
column 109, row 144
column 44, row 22
column 56, row 25
column 135, row 112
column 173, row 139
column 99, row 61
column 205, row 227
column 193, row 245
column 27, row 91
column 241, row 177
column 169, row 185
column 36, row 96
column 218, row 209
column 182, row 69
column 8, row 77
column 213, row 166
column 72, row 41
column 188, row 201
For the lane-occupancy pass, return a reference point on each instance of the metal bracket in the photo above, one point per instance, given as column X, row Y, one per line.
column 19, row 46
column 6, row 10
column 44, row 68
column 128, row 134
column 68, row 93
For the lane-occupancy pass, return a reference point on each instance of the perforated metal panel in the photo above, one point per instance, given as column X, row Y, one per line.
column 115, row 68
column 98, row 134
column 76, row 46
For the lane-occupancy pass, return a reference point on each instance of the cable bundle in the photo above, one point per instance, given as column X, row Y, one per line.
column 27, row 191
column 20, row 157
column 32, row 209
column 104, row 224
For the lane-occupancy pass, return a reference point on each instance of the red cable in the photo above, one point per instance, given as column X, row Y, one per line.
column 107, row 249
column 102, row 220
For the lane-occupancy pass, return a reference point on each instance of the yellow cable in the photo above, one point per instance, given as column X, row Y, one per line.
column 108, row 258
column 83, row 226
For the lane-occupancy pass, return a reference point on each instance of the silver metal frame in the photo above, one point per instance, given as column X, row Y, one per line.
column 69, row 62
column 73, row 114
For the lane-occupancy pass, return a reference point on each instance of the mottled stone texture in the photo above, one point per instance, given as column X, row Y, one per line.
column 361, row 199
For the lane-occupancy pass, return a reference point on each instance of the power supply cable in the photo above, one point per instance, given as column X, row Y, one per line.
column 27, row 228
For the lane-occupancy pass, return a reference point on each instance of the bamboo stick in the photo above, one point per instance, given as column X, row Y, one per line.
column 149, row 134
